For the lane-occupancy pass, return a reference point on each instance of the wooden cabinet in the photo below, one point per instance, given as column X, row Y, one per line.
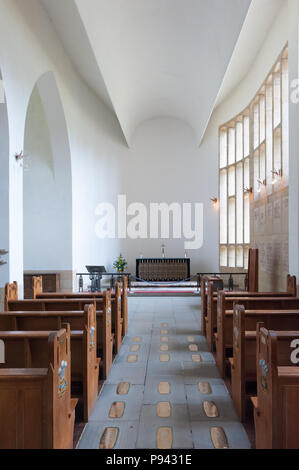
column 51, row 283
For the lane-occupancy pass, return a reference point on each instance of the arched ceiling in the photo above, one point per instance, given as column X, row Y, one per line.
column 153, row 58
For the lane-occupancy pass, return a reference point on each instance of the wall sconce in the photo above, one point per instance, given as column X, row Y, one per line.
column 261, row 182
column 19, row 156
column 248, row 190
column 215, row 202
column 276, row 173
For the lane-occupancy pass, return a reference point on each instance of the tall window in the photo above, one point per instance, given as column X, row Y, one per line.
column 253, row 162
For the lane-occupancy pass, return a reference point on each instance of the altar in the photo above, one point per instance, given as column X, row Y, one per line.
column 163, row 269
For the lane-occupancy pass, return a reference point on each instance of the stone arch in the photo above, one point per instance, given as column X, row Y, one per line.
column 47, row 183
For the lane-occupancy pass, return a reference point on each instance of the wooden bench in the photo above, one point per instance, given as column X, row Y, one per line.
column 224, row 335
column 276, row 410
column 104, row 334
column 243, row 363
column 36, row 409
column 212, row 298
column 30, row 350
column 118, row 302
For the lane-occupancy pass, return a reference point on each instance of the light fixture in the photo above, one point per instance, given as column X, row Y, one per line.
column 276, row 173
column 19, row 156
column 248, row 190
column 215, row 201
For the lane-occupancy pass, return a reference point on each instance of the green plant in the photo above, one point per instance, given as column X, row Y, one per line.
column 2, row 253
column 120, row 264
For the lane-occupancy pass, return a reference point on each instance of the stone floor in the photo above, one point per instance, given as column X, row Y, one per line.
column 169, row 355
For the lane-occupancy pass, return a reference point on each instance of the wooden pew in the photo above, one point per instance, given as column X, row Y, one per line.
column 224, row 335
column 118, row 301
column 85, row 364
column 212, row 298
column 276, row 410
column 243, row 363
column 103, row 306
column 35, row 403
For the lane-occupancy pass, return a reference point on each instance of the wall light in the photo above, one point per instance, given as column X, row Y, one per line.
column 19, row 156
column 248, row 191
column 215, row 201
column 261, row 182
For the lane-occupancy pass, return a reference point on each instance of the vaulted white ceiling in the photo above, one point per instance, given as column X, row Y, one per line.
column 155, row 58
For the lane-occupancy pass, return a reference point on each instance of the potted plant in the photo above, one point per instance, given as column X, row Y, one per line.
column 120, row 264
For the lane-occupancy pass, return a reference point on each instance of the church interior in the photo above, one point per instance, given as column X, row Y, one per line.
column 149, row 224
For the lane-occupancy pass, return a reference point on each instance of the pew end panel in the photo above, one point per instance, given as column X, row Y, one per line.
column 220, row 338
column 107, row 334
column 37, row 286
column 276, row 411
column 238, row 367
column 209, row 327
column 91, row 363
column 203, row 304
column 124, row 305
column 10, row 294
column 117, row 321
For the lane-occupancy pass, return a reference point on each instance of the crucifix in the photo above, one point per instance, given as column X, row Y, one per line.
column 163, row 250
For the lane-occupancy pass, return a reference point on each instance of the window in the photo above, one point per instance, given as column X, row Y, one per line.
column 253, row 162
column 234, row 178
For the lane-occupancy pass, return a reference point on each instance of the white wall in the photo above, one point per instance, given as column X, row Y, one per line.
column 164, row 164
column 46, row 231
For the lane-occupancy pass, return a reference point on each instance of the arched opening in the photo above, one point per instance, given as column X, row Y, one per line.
column 47, row 185
column 4, row 187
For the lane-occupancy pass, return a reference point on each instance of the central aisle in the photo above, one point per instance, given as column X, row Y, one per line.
column 172, row 380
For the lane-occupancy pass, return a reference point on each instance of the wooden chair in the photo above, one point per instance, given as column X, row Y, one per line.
column 85, row 364
column 243, row 362
column 224, row 335
column 36, row 404
column 276, row 411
